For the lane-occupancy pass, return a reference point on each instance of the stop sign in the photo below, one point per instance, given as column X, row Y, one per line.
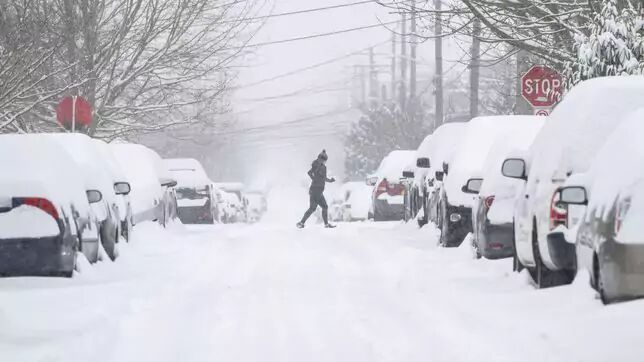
column 541, row 86
column 70, row 105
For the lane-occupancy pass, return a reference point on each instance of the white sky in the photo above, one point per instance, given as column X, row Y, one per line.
column 284, row 152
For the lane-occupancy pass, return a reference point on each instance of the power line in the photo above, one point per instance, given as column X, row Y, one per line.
column 314, row 36
column 310, row 67
column 282, row 124
column 306, row 11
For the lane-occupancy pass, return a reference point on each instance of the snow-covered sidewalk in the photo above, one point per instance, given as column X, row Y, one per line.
column 270, row 292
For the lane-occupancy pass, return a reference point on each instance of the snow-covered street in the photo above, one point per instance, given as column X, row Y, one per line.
column 270, row 292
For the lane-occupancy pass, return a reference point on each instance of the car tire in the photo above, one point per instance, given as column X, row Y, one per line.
column 598, row 284
column 542, row 276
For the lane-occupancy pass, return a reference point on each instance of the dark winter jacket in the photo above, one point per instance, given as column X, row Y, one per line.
column 317, row 173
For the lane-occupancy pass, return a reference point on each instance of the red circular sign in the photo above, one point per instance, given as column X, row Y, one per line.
column 66, row 108
column 541, row 86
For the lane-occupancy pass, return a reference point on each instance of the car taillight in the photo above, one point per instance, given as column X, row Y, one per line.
column 382, row 187
column 558, row 212
column 488, row 201
column 39, row 202
column 620, row 213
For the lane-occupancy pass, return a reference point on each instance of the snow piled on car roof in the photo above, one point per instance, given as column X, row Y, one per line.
column 518, row 139
column 392, row 166
column 139, row 166
column 617, row 166
column 39, row 167
column 469, row 161
column 581, row 123
column 188, row 172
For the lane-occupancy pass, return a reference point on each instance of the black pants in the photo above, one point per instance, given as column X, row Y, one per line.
column 316, row 198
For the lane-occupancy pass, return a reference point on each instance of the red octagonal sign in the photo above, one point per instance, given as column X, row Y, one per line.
column 541, row 86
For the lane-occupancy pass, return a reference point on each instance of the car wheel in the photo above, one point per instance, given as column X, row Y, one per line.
column 542, row 276
column 597, row 283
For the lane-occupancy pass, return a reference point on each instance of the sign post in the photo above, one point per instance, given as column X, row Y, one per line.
column 541, row 87
column 74, row 112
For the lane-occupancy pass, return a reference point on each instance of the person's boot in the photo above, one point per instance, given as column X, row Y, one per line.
column 300, row 225
column 329, row 226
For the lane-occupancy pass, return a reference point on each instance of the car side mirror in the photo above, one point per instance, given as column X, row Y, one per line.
column 408, row 174
column 446, row 168
column 473, row 186
column 573, row 195
column 94, row 196
column 168, row 183
column 440, row 175
column 122, row 188
column 371, row 180
column 422, row 162
column 514, row 168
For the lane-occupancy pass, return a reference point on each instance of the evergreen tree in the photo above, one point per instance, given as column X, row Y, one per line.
column 615, row 45
column 378, row 132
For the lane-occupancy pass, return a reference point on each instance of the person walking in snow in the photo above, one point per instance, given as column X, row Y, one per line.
column 317, row 173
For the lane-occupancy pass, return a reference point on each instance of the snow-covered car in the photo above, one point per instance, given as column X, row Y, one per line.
column 234, row 208
column 96, row 175
column 152, row 196
column 415, row 192
column 256, row 205
column 566, row 145
column 609, row 234
column 388, row 193
column 196, row 199
column 493, row 235
column 121, row 187
column 444, row 144
column 356, row 201
column 45, row 216
column 464, row 175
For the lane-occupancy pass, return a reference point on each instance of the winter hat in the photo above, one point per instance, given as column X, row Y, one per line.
column 323, row 156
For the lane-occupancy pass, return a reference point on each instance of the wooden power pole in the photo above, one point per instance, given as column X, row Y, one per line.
column 438, row 56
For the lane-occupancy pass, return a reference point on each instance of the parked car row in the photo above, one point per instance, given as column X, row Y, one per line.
column 557, row 194
column 64, row 195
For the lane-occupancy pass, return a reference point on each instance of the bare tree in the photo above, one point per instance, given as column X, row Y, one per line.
column 144, row 65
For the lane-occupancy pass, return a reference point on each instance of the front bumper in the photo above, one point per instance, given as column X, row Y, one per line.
column 195, row 215
column 47, row 256
column 459, row 224
column 622, row 270
column 496, row 241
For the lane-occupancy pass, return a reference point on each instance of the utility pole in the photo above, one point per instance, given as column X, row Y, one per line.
column 393, row 67
column 412, row 71
column 403, row 64
column 373, row 80
column 363, row 88
column 438, row 56
column 475, row 68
